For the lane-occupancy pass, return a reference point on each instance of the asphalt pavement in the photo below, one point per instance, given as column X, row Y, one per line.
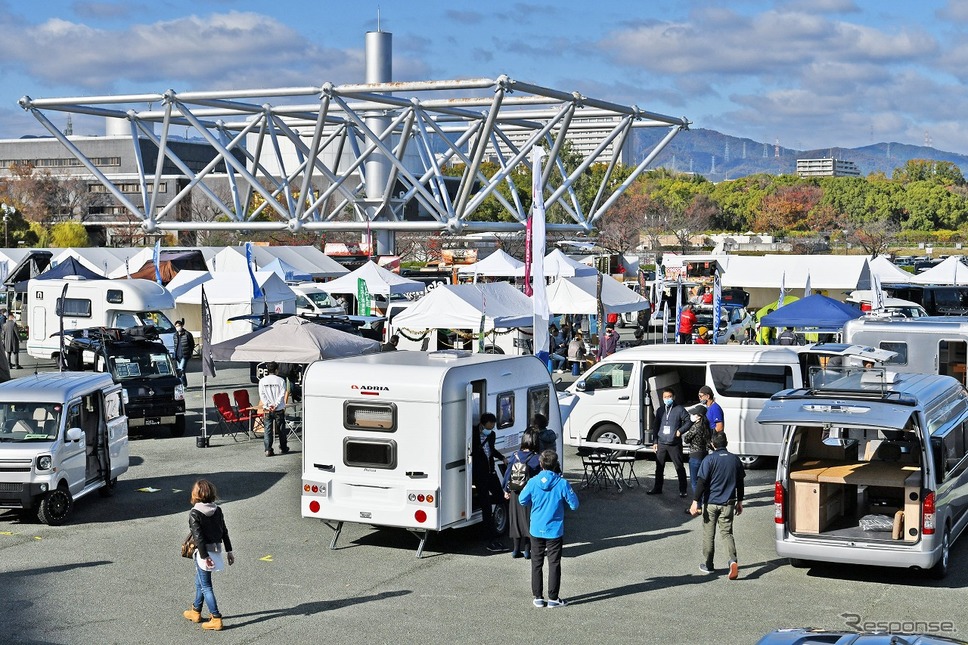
column 630, row 569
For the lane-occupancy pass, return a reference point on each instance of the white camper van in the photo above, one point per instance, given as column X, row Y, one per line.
column 313, row 300
column 63, row 435
column 387, row 437
column 93, row 303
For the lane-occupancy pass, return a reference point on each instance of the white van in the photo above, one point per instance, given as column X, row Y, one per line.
column 616, row 399
column 63, row 435
column 313, row 300
column 873, row 469
column 93, row 303
column 387, row 437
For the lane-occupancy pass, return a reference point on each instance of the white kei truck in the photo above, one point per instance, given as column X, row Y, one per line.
column 387, row 437
column 63, row 435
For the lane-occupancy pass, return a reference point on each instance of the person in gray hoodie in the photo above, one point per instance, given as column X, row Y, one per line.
column 207, row 526
column 547, row 493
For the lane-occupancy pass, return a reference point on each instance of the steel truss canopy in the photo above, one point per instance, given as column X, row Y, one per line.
column 299, row 158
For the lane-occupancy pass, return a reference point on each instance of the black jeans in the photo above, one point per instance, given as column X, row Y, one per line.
column 488, row 490
column 275, row 423
column 669, row 453
column 540, row 547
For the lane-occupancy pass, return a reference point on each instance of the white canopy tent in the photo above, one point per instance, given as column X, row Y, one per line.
column 578, row 295
column 950, row 271
column 887, row 272
column 762, row 275
column 460, row 306
column 229, row 294
column 317, row 265
column 378, row 280
column 497, row 264
column 559, row 265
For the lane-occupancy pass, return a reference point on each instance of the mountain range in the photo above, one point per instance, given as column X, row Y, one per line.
column 719, row 156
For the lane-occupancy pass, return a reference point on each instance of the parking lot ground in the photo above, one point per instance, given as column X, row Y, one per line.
column 630, row 568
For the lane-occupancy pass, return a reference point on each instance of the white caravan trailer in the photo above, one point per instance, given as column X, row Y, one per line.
column 387, row 437
column 93, row 303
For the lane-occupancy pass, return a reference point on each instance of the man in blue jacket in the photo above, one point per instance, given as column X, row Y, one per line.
column 671, row 421
column 719, row 490
column 547, row 493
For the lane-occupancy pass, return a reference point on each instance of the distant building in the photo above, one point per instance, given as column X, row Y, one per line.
column 826, row 168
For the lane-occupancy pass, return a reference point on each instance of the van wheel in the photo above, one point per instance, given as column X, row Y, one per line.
column 500, row 517
column 797, row 563
column 54, row 507
column 178, row 429
column 493, row 349
column 940, row 569
column 108, row 489
column 751, row 462
column 608, row 433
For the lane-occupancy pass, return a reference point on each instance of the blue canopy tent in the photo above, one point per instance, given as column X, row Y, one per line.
column 816, row 312
column 69, row 267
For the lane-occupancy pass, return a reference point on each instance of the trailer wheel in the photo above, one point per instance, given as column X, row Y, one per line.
column 178, row 429
column 493, row 349
column 55, row 506
column 501, row 517
column 751, row 462
column 940, row 569
column 608, row 433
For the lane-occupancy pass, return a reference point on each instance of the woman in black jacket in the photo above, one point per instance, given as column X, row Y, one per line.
column 207, row 525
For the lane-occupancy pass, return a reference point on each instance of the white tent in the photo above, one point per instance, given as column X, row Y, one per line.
column 559, row 265
column 887, row 272
column 317, row 265
column 578, row 296
column 950, row 271
column 762, row 275
column 293, row 340
column 460, row 306
column 497, row 264
column 103, row 261
column 229, row 294
column 379, row 281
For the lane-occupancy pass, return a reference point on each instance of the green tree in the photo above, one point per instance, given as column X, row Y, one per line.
column 943, row 173
column 68, row 234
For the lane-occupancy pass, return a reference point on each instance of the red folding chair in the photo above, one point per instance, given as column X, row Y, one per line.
column 248, row 414
column 228, row 418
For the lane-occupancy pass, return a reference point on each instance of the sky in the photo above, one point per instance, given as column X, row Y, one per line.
column 810, row 74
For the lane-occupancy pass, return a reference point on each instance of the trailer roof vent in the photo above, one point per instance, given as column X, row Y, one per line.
column 449, row 354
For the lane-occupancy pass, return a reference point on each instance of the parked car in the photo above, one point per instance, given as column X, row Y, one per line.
column 736, row 323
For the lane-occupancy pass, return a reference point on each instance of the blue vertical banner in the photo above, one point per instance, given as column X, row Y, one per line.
column 717, row 307
column 256, row 291
column 678, row 305
column 157, row 259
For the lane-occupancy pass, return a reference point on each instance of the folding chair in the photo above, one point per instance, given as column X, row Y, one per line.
column 228, row 419
column 251, row 416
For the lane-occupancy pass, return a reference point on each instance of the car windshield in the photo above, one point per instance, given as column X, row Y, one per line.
column 158, row 319
column 141, row 365
column 318, row 298
column 25, row 422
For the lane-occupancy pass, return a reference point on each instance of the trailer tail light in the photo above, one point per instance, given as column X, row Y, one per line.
column 927, row 515
column 422, row 497
column 314, row 506
column 420, row 516
column 779, row 496
column 865, row 306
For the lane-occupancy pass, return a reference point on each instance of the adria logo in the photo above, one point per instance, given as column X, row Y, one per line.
column 373, row 388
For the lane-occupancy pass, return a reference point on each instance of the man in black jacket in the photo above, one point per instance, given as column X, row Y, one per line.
column 184, row 348
column 670, row 422
column 487, row 488
column 719, row 497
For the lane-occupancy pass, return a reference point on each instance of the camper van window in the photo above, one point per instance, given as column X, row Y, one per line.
column 73, row 307
column 370, row 453
column 112, row 405
column 115, row 296
column 378, row 417
column 505, row 410
column 900, row 349
column 538, row 401
column 158, row 319
column 609, row 376
column 125, row 320
column 753, row 381
column 949, row 450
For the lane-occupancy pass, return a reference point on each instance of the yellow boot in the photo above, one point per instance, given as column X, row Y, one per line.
column 214, row 623
column 193, row 615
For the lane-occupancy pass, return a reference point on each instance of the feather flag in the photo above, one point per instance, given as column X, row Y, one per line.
column 157, row 259
column 256, row 291
column 539, row 298
column 208, row 363
column 779, row 302
column 717, row 307
column 807, row 290
column 678, row 304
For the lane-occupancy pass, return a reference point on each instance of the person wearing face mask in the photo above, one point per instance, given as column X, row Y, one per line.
column 671, row 421
column 487, row 488
column 697, row 439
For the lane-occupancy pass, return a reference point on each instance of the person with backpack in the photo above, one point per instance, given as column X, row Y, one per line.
column 522, row 466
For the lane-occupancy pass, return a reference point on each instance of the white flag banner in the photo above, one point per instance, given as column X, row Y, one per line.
column 877, row 295
column 539, row 295
column 807, row 291
column 779, row 301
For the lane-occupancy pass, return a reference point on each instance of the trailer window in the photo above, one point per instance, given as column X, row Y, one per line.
column 370, row 453
column 900, row 349
column 378, row 417
column 73, row 307
column 115, row 296
column 505, row 410
column 538, row 401
column 751, row 381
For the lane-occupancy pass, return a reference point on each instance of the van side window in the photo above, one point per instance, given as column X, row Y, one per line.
column 901, row 349
column 950, row 449
column 609, row 376
column 753, row 381
column 112, row 405
column 73, row 307
column 377, row 417
column 538, row 401
column 73, row 416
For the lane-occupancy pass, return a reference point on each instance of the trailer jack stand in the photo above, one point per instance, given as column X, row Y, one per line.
column 422, row 536
column 338, row 529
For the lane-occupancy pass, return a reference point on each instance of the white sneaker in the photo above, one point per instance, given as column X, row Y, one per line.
column 556, row 603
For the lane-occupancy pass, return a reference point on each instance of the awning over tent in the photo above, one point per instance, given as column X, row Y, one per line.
column 813, row 312
column 460, row 306
column 831, row 272
column 497, row 264
column 578, row 296
column 559, row 265
column 293, row 340
column 379, row 281
column 950, row 271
